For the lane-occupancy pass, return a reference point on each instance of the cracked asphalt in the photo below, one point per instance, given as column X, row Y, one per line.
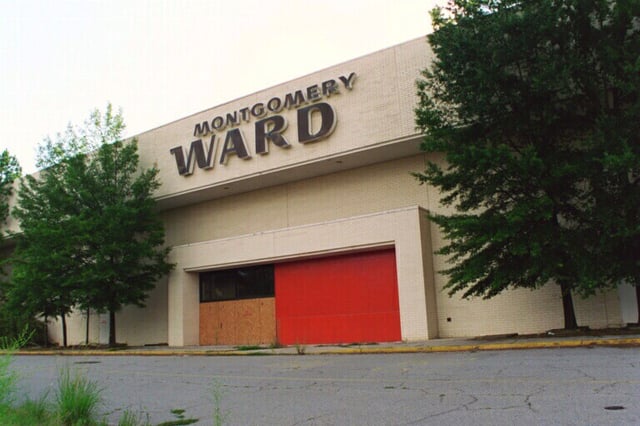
column 575, row 386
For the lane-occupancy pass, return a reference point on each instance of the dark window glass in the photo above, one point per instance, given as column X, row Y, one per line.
column 239, row 283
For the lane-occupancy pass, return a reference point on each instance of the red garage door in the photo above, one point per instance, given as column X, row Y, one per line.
column 343, row 299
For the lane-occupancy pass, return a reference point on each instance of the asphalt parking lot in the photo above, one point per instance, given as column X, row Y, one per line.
column 587, row 385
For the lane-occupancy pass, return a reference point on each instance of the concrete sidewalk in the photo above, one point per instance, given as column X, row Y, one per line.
column 491, row 343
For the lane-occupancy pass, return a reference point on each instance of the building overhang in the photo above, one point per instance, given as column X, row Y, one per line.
column 384, row 151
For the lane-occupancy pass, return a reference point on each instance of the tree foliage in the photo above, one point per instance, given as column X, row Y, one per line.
column 45, row 264
column 9, row 171
column 10, row 324
column 91, row 236
column 535, row 106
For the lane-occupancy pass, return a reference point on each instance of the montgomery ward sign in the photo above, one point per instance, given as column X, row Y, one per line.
column 315, row 120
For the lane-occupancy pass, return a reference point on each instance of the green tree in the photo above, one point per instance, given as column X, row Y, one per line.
column 614, row 214
column 92, row 237
column 45, row 268
column 124, row 234
column 9, row 171
column 523, row 99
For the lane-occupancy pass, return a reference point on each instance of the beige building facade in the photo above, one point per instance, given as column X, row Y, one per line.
column 309, row 183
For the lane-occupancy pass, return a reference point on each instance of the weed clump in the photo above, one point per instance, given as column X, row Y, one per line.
column 77, row 399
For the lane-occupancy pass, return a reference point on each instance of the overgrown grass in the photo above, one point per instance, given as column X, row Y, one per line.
column 76, row 403
column 8, row 378
column 77, row 399
column 217, row 392
column 249, row 347
column 30, row 412
column 301, row 349
column 129, row 418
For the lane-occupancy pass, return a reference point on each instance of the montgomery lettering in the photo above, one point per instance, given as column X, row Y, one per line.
column 275, row 105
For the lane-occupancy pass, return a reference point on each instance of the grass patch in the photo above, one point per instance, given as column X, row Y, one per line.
column 8, row 378
column 249, row 348
column 30, row 412
column 354, row 344
column 130, row 418
column 180, row 420
column 77, row 399
column 217, row 392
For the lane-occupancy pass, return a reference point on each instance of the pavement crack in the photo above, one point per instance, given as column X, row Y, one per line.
column 499, row 372
column 527, row 399
column 466, row 406
column 432, row 416
column 603, row 387
column 309, row 420
column 441, row 397
column 579, row 371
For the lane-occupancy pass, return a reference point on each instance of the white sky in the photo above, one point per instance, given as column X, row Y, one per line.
column 161, row 60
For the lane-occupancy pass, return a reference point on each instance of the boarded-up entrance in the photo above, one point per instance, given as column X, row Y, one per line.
column 237, row 306
column 342, row 299
column 238, row 322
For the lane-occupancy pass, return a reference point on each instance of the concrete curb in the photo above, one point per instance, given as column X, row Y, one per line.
column 355, row 350
column 632, row 342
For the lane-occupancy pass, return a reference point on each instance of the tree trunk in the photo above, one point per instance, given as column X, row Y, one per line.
column 45, row 326
column 570, row 322
column 112, row 328
column 638, row 302
column 64, row 331
column 86, row 336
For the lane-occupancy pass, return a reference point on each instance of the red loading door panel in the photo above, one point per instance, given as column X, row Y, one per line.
column 342, row 299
